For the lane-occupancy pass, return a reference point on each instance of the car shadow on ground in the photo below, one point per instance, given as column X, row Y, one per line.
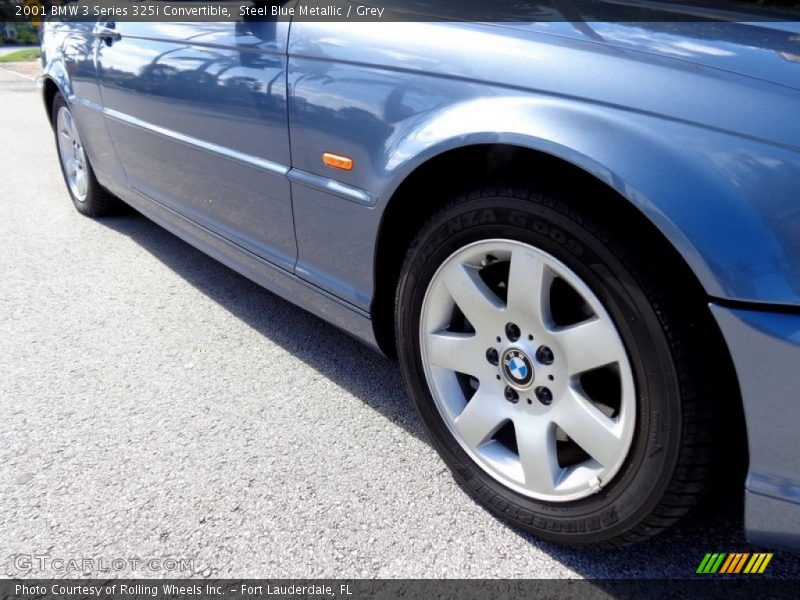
column 715, row 526
column 366, row 374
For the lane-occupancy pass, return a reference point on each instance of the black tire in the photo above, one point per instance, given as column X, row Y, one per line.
column 668, row 463
column 98, row 202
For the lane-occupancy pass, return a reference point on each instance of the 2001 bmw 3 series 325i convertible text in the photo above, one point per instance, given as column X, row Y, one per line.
column 581, row 239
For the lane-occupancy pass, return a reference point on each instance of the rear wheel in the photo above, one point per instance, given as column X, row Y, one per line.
column 550, row 366
column 88, row 196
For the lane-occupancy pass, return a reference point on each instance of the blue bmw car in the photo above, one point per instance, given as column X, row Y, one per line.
column 581, row 239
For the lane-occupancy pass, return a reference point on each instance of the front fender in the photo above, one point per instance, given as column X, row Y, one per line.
column 725, row 197
column 727, row 203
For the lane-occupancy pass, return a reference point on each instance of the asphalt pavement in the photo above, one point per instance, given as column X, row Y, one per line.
column 156, row 405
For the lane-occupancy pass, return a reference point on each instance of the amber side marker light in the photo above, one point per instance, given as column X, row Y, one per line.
column 337, row 161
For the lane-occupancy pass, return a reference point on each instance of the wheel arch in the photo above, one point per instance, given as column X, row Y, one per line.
column 54, row 81
column 49, row 91
column 426, row 187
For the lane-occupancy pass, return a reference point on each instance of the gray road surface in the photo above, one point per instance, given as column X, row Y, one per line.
column 155, row 404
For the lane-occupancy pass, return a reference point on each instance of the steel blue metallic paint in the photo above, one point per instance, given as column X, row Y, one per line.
column 765, row 347
column 216, row 131
column 71, row 66
column 392, row 110
column 221, row 88
column 221, row 151
column 332, row 187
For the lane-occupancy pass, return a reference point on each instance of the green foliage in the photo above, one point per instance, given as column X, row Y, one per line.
column 26, row 55
column 22, row 33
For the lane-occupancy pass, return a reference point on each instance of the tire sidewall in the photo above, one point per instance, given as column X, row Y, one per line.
column 637, row 488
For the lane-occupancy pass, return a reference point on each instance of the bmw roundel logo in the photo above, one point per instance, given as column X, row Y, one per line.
column 517, row 367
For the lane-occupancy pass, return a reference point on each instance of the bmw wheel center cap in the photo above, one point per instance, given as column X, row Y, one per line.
column 517, row 368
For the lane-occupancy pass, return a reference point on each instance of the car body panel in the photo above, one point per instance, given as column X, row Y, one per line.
column 71, row 47
column 765, row 347
column 765, row 51
column 270, row 276
column 393, row 110
column 695, row 126
column 197, row 112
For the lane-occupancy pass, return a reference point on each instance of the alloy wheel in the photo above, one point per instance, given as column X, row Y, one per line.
column 528, row 370
column 72, row 154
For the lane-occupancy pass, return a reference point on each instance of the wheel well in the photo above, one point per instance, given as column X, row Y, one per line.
column 49, row 94
column 435, row 182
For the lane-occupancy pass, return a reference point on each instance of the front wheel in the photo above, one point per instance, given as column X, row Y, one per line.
column 541, row 353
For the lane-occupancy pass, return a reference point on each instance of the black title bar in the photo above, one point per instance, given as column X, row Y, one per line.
column 376, row 11
column 746, row 587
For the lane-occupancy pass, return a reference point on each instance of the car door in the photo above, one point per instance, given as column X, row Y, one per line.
column 197, row 113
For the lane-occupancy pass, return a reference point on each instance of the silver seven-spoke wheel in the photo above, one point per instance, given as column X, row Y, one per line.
column 71, row 153
column 88, row 196
column 558, row 359
column 527, row 369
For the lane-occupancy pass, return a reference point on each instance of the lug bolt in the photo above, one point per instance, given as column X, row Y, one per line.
column 492, row 356
column 545, row 355
column 511, row 395
column 512, row 332
column 544, row 395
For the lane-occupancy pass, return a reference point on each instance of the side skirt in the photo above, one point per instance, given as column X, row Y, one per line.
column 317, row 301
